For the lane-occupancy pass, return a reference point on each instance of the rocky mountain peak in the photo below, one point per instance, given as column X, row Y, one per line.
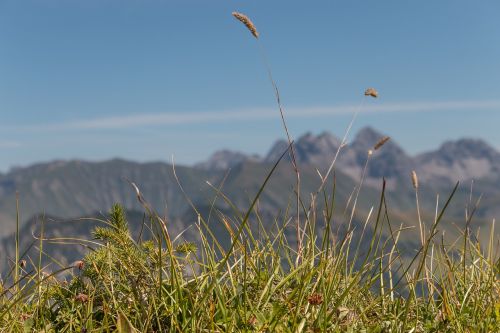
column 325, row 142
column 276, row 151
column 461, row 159
column 366, row 137
column 310, row 148
column 467, row 148
column 316, row 149
column 328, row 138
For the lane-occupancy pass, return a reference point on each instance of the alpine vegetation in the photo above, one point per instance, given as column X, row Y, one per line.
column 340, row 268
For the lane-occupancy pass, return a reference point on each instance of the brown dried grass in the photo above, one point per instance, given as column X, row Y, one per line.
column 371, row 92
column 414, row 179
column 381, row 142
column 247, row 22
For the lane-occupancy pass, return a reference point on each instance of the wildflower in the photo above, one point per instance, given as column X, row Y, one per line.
column 315, row 299
column 79, row 264
column 252, row 321
column 82, row 298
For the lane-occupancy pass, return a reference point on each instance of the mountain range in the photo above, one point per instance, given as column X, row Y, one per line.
column 72, row 189
column 460, row 160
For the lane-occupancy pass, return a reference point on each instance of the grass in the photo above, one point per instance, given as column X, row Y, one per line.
column 342, row 283
column 327, row 281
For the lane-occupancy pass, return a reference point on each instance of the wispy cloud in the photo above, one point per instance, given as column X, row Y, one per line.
column 9, row 144
column 186, row 118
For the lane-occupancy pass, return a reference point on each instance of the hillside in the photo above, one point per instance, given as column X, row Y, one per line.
column 71, row 189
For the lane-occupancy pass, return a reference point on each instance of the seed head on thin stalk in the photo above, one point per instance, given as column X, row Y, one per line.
column 358, row 189
column 369, row 92
column 414, row 180
column 381, row 142
column 251, row 27
column 247, row 22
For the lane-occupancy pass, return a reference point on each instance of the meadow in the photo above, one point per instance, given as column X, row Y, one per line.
column 358, row 280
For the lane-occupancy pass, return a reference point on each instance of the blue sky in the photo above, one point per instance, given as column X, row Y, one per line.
column 145, row 80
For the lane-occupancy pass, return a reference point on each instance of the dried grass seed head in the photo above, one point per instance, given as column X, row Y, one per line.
column 381, row 142
column 414, row 179
column 371, row 92
column 247, row 22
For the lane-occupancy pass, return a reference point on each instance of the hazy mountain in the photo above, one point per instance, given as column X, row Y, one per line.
column 461, row 159
column 76, row 188
column 310, row 149
column 390, row 161
column 319, row 151
column 72, row 189
column 225, row 159
column 464, row 159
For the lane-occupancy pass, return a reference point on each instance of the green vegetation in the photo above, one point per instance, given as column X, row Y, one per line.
column 325, row 280
column 259, row 283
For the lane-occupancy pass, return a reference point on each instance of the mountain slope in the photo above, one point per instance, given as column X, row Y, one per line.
column 461, row 159
column 225, row 159
column 75, row 188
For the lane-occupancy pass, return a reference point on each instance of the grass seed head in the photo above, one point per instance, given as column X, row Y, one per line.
column 371, row 92
column 414, row 179
column 247, row 22
column 381, row 142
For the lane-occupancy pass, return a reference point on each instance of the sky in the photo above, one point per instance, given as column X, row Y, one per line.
column 154, row 80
